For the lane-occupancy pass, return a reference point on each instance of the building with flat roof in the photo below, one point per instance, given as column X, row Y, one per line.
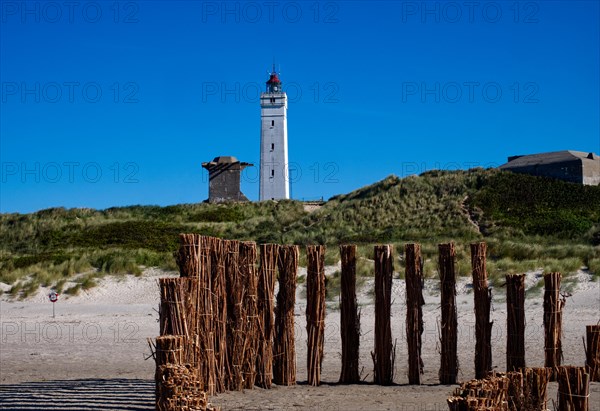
column 224, row 175
column 568, row 165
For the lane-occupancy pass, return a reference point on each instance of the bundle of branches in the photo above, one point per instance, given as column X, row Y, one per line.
column 384, row 354
column 414, row 310
column 269, row 254
column 180, row 391
column 247, row 268
column 204, row 310
column 573, row 388
column 593, row 351
column 553, row 305
column 315, row 311
column 515, row 322
column 169, row 349
column 187, row 257
column 236, row 316
column 483, row 298
column 528, row 389
column 515, row 390
column 284, row 364
column 177, row 387
column 490, row 393
column 172, row 309
column 349, row 316
column 449, row 324
column 178, row 313
column 219, row 310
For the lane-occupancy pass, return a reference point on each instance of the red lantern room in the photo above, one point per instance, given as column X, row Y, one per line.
column 274, row 84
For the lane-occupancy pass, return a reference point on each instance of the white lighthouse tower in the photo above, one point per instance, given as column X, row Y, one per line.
column 274, row 174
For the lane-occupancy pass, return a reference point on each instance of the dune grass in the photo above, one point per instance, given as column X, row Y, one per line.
column 528, row 222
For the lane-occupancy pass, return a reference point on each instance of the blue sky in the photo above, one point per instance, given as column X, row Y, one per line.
column 110, row 103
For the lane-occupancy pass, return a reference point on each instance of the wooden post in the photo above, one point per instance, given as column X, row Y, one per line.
column 349, row 316
column 284, row 357
column 384, row 354
column 269, row 254
column 553, row 305
column 247, row 262
column 315, row 311
column 449, row 322
column 483, row 298
column 515, row 322
column 593, row 352
column 414, row 311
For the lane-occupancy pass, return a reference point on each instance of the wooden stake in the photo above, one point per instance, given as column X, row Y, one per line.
column 449, row 324
column 553, row 305
column 315, row 311
column 483, row 298
column 349, row 316
column 384, row 353
column 284, row 357
column 414, row 311
column 515, row 322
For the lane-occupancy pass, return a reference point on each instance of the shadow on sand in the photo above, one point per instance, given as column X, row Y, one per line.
column 88, row 394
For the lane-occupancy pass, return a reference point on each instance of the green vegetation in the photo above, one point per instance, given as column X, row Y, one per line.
column 528, row 222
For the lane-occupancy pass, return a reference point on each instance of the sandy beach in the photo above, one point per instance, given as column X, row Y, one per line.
column 94, row 353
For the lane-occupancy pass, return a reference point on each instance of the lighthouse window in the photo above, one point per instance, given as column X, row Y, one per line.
column 272, row 146
column 272, row 173
column 272, row 123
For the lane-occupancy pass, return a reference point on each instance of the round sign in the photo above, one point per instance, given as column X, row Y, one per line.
column 53, row 297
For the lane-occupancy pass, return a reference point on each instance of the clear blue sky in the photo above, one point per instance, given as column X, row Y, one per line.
column 116, row 103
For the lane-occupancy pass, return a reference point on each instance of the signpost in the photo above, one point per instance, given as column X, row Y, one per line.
column 53, row 297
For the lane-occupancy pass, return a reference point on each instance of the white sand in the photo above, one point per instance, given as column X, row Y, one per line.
column 98, row 343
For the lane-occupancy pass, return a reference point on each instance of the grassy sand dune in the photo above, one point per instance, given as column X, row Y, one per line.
column 529, row 223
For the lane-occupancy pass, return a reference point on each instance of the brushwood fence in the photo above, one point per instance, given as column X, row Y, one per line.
column 222, row 328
